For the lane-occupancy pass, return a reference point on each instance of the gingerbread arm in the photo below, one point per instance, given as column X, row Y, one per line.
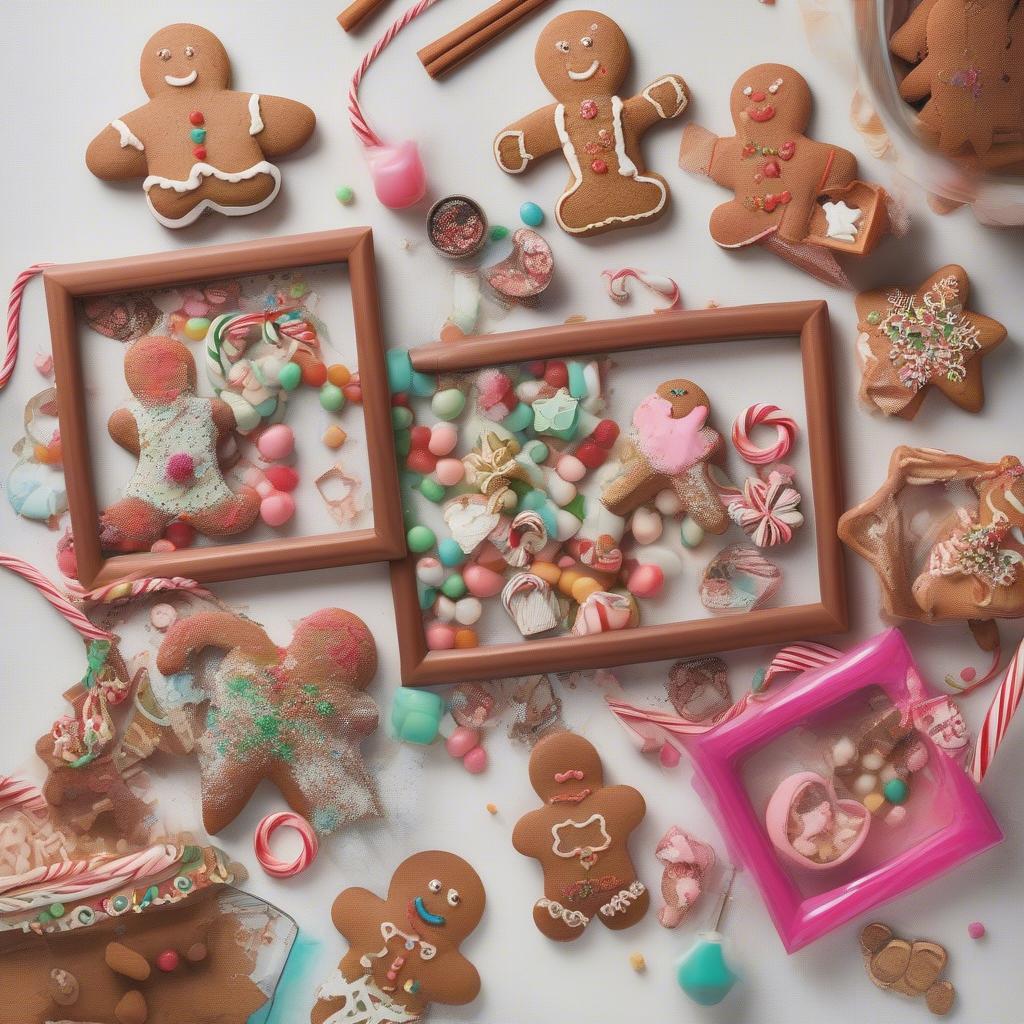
column 910, row 41
column 223, row 418
column 533, row 136
column 357, row 914
column 456, row 982
column 279, row 125
column 117, row 153
column 525, row 835
column 918, row 83
column 123, row 430
column 221, row 630
column 663, row 99
column 632, row 805
column 703, row 152
column 840, row 169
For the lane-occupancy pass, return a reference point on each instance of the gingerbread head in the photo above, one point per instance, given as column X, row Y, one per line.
column 159, row 370
column 579, row 836
column 684, row 397
column 197, row 144
column 773, row 97
column 582, row 58
column 332, row 647
column 404, row 949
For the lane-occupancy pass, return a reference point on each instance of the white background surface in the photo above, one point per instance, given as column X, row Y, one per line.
column 68, row 68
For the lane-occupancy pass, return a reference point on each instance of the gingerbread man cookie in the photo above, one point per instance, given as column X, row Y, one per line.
column 670, row 448
column 404, row 949
column 579, row 836
column 779, row 175
column 583, row 57
column 294, row 715
column 199, row 144
column 175, row 434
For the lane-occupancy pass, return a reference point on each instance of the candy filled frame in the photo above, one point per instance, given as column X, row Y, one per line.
column 807, row 323
column 801, row 914
column 67, row 284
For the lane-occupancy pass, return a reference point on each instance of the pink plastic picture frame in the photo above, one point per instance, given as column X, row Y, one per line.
column 885, row 663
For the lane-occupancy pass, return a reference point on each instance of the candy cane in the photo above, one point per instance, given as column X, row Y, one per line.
column 128, row 590
column 21, row 795
column 768, row 416
column 52, row 594
column 14, row 318
column 663, row 286
column 261, row 843
column 997, row 719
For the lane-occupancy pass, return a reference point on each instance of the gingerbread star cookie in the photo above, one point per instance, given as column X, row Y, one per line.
column 580, row 837
column 294, row 715
column 583, row 57
column 198, row 144
column 404, row 949
column 912, row 340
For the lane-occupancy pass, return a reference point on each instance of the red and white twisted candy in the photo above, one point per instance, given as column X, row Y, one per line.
column 52, row 594
column 21, row 795
column 768, row 416
column 14, row 320
column 997, row 719
column 261, row 843
column 660, row 285
column 526, row 536
column 126, row 590
column 768, row 510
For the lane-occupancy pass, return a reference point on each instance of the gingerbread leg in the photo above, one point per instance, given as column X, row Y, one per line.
column 625, row 913
column 637, row 485
column 131, row 525
column 700, row 499
column 232, row 515
column 558, row 922
column 174, row 205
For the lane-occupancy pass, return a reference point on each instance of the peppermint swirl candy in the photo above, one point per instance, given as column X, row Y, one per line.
column 261, row 843
column 768, row 511
column 768, row 416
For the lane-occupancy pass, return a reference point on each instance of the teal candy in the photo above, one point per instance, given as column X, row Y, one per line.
column 895, row 791
column 427, row 596
column 450, row 553
column 757, row 684
column 399, row 370
column 423, row 384
column 267, row 407
column 432, row 490
column 454, row 587
column 519, row 418
column 519, row 487
column 539, row 502
column 420, row 539
column 416, row 715
column 290, row 376
column 531, row 214
column 533, row 499
column 703, row 973
column 577, row 383
column 448, row 404
column 538, row 451
column 332, row 398
column 198, row 135
column 401, row 417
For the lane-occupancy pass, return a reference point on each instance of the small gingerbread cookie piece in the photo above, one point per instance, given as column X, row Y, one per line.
column 404, row 950
column 779, row 175
column 580, row 837
column 910, row 968
column 583, row 57
column 670, row 448
column 199, row 144
column 911, row 340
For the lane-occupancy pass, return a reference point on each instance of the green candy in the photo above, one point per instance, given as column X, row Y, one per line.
column 577, row 507
column 432, row 490
column 423, row 384
column 538, row 451
column 519, row 418
column 420, row 539
column 448, row 404
column 403, row 442
column 895, row 791
column 332, row 398
column 401, row 417
column 344, row 195
column 57, row 909
column 498, row 232
column 427, row 597
column 454, row 587
column 290, row 376
column 198, row 135
column 577, row 382
column 416, row 715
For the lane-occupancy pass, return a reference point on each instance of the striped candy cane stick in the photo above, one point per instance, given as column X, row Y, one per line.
column 997, row 719
column 21, row 795
column 618, row 288
column 14, row 319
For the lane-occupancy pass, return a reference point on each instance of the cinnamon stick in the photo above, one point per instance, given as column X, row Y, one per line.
column 355, row 12
column 446, row 53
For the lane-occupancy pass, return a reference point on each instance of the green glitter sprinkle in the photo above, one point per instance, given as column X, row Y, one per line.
column 324, row 707
column 268, row 725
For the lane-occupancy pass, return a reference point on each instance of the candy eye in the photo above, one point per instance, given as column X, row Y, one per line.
column 747, row 90
column 587, row 41
column 453, row 897
column 775, row 86
column 164, row 53
column 190, row 51
column 434, row 885
column 562, row 45
column 679, row 392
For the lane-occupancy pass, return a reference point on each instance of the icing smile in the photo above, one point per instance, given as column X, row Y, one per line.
column 761, row 114
column 582, row 76
column 425, row 915
column 186, row 80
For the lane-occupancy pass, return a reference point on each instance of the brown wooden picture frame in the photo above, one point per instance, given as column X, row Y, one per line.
column 65, row 284
column 808, row 323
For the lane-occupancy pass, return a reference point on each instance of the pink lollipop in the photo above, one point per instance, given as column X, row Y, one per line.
column 261, row 843
column 768, row 416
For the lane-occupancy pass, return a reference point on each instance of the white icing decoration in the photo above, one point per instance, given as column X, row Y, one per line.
column 128, row 137
column 681, row 100
column 841, row 221
column 569, row 823
column 196, row 175
column 569, row 151
column 582, row 76
column 570, row 918
column 186, row 80
column 255, row 121
column 621, row 901
column 526, row 157
column 364, row 1002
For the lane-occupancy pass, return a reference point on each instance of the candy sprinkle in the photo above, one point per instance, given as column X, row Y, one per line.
column 637, row 962
column 492, row 808
column 344, row 195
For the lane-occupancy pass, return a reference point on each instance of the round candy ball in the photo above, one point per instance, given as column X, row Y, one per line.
column 468, row 611
column 475, row 761
column 168, row 960
column 448, row 404
column 419, row 460
column 276, row 442
column 332, row 398
column 181, row 466
column 277, row 508
column 645, row 581
column 571, row 469
column 420, row 539
column 466, row 638
column 161, row 545
column 531, row 215
column 196, row 327
column 690, row 533
column 896, row 791
column 338, row 374
column 449, row 471
column 290, row 376
column 583, row 587
column 432, row 490
column 482, row 582
column 454, row 587
column 462, row 741
column 180, row 534
column 430, row 571
column 284, row 478
column 314, row 374
column 646, row 526
column 344, row 195
column 443, row 438
column 450, row 553
column 440, row 637
column 334, row 437
column 976, row 930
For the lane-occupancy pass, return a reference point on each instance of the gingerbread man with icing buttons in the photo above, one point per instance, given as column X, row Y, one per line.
column 404, row 949
column 777, row 173
column 583, row 57
column 580, row 836
column 199, row 144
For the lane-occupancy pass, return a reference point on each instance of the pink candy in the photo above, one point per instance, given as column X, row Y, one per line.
column 475, row 761
column 180, row 467
column 462, row 741
column 449, row 471
column 398, row 175
column 482, row 582
column 570, row 469
column 440, row 637
column 443, row 439
column 276, row 442
column 646, row 581
column 277, row 508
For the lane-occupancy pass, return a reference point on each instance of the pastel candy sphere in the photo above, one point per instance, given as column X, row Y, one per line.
column 468, row 611
column 432, row 490
column 466, row 638
column 571, row 469
column 448, row 404
column 284, row 478
column 430, row 571
column 475, row 761
column 276, row 442
column 482, row 582
column 443, row 438
column 691, row 533
column 277, row 508
column 196, row 327
column 332, row 398
column 290, row 376
column 454, row 587
column 531, row 215
column 667, row 503
column 450, row 553
column 420, row 539
column 416, row 715
column 180, row 467
column 645, row 581
column 440, row 637
column 444, row 609
column 646, row 526
column 462, row 741
column 449, row 471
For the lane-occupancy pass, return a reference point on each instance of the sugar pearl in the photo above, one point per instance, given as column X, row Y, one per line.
column 864, row 784
column 162, row 616
column 475, row 761
column 444, row 608
column 690, row 533
column 646, row 526
column 976, row 930
column 462, row 741
column 843, row 751
column 276, row 509
column 468, row 611
column 482, row 582
column 873, row 761
column 440, row 637
column 571, row 469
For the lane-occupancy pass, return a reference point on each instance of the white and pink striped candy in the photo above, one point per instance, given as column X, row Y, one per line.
column 758, row 415
column 261, row 843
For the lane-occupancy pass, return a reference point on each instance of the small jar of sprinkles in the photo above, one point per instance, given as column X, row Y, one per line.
column 457, row 227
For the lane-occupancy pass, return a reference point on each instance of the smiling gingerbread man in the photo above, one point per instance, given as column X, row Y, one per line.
column 199, row 144
column 583, row 57
column 404, row 950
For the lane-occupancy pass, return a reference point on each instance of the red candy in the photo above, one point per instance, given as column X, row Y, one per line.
column 419, row 437
column 556, row 374
column 199, row 152
column 535, row 368
column 605, row 434
column 599, row 167
column 196, row 117
column 314, row 375
column 590, row 455
column 180, row 534
column 419, row 460
column 168, row 960
column 284, row 478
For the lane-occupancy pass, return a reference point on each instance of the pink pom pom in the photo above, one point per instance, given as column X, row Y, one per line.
column 482, row 582
column 475, row 761
column 161, row 545
column 276, row 442
column 277, row 508
column 443, row 438
column 668, row 756
column 180, row 467
column 976, row 930
column 646, row 581
column 440, row 637
column 462, row 741
column 449, row 471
